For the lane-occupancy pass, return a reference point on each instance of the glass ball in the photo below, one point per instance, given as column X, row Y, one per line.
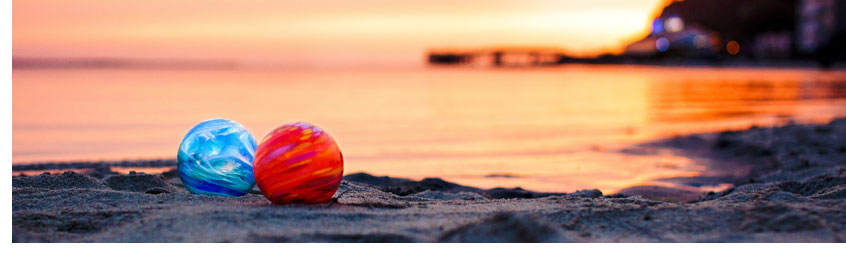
column 216, row 158
column 298, row 163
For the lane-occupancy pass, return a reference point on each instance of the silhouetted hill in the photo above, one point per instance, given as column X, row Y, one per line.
column 737, row 19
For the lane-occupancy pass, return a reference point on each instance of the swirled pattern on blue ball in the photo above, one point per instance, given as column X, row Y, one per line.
column 216, row 158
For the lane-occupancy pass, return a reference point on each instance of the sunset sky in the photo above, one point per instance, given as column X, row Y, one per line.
column 318, row 33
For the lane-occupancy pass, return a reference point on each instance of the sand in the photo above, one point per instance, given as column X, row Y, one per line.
column 790, row 186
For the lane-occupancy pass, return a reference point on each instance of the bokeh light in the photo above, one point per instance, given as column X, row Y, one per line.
column 700, row 41
column 662, row 44
column 674, row 24
column 657, row 26
column 733, row 47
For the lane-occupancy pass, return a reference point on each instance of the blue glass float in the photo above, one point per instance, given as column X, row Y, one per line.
column 216, row 158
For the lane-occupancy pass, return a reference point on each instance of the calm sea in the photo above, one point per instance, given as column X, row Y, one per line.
column 552, row 129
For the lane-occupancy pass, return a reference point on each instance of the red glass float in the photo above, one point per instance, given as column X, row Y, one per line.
column 298, row 163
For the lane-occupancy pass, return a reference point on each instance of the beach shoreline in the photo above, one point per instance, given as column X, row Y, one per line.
column 789, row 186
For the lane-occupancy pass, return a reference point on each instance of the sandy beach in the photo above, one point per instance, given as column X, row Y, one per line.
column 789, row 186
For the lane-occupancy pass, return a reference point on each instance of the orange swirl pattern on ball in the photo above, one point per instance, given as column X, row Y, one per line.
column 298, row 163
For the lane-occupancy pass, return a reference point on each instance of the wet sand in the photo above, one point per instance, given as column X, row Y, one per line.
column 790, row 186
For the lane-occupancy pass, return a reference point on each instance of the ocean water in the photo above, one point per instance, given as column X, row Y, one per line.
column 546, row 129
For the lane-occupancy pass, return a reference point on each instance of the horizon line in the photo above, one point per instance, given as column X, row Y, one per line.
column 25, row 62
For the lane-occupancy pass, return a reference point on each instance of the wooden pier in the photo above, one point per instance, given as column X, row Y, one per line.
column 497, row 57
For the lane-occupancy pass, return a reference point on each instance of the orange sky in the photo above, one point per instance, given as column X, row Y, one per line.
column 318, row 33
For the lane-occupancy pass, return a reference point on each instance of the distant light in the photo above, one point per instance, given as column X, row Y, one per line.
column 662, row 44
column 733, row 47
column 657, row 26
column 674, row 24
column 700, row 41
